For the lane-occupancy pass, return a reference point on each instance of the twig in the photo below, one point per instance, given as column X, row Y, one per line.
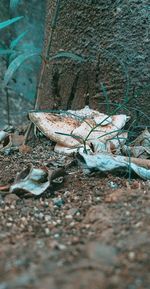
column 28, row 132
column 8, row 106
column 140, row 162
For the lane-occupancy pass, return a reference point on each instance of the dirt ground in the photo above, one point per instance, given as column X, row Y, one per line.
column 90, row 231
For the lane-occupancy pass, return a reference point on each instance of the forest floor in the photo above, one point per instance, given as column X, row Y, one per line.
column 90, row 231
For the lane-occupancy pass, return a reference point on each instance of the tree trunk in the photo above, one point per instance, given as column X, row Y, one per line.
column 112, row 36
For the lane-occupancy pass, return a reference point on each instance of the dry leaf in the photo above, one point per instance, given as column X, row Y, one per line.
column 12, row 141
column 35, row 180
column 140, row 146
column 4, row 187
column 106, row 162
column 3, row 135
column 78, row 123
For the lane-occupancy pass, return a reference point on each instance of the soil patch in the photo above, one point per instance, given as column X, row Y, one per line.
column 87, row 232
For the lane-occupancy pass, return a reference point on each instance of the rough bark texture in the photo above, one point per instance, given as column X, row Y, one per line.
column 113, row 36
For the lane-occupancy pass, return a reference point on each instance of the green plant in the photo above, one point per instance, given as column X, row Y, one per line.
column 14, row 3
column 7, row 52
column 15, row 56
column 130, row 129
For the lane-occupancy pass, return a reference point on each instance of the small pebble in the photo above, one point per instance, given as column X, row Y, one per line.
column 58, row 221
column 139, row 224
column 56, row 236
column 47, row 218
column 112, row 185
column 58, row 202
column 30, row 229
column 73, row 211
column 24, row 220
column 22, row 226
column 67, row 193
column 41, row 216
column 9, row 224
column 47, row 231
column 78, row 214
column 40, row 243
column 127, row 213
column 72, row 224
column 1, row 201
column 46, row 204
column 61, row 247
column 131, row 256
column 68, row 217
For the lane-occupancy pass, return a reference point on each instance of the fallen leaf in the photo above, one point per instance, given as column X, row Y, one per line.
column 106, row 162
column 70, row 129
column 3, row 135
column 140, row 146
column 4, row 188
column 12, row 141
column 35, row 180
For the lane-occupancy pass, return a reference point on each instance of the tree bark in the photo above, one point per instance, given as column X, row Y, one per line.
column 113, row 38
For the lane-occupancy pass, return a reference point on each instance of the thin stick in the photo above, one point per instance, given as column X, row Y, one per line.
column 8, row 106
column 140, row 162
column 28, row 132
column 45, row 59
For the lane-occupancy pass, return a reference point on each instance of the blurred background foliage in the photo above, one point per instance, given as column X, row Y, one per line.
column 31, row 30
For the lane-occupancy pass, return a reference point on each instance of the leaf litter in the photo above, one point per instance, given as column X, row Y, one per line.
column 35, row 180
column 98, row 139
column 99, row 142
column 68, row 230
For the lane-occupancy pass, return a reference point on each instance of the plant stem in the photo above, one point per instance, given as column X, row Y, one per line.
column 8, row 106
column 45, row 59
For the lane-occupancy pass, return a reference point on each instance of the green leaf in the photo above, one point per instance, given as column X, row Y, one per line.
column 14, row 3
column 63, row 54
column 70, row 134
column 5, row 51
column 105, row 94
column 54, row 20
column 15, row 42
column 9, row 22
column 16, row 63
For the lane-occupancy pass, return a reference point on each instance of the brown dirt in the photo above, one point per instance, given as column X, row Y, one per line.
column 88, row 232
